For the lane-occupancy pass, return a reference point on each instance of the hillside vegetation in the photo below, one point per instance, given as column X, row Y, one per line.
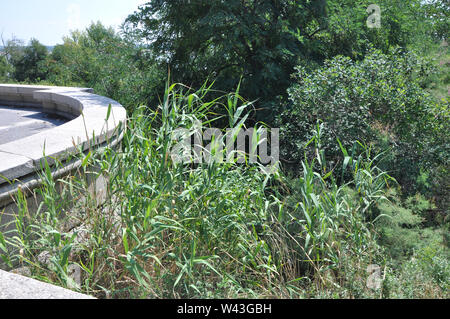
column 358, row 207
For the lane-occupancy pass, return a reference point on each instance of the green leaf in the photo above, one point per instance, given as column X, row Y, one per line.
column 108, row 113
column 125, row 240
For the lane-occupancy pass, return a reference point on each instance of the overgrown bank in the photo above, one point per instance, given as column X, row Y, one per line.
column 229, row 230
column 363, row 189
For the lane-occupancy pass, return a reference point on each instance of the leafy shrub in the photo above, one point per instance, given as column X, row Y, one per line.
column 379, row 101
column 425, row 275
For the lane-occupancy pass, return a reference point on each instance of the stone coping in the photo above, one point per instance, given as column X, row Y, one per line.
column 93, row 120
column 14, row 286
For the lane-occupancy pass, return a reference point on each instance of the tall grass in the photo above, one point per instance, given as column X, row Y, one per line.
column 209, row 230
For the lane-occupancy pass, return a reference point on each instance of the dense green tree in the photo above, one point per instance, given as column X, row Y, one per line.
column 263, row 40
column 31, row 65
column 13, row 51
column 438, row 14
column 82, row 57
column 259, row 41
column 5, row 68
column 112, row 65
column 349, row 34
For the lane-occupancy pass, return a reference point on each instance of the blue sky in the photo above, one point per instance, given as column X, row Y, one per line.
column 50, row 20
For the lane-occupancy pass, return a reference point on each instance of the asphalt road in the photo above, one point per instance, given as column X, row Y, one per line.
column 17, row 123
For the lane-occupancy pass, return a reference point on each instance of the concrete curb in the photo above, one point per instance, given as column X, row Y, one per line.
column 13, row 286
column 88, row 126
column 94, row 122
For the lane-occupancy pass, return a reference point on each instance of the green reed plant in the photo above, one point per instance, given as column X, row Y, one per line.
column 204, row 230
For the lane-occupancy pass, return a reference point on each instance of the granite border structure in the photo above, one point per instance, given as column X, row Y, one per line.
column 13, row 286
column 94, row 122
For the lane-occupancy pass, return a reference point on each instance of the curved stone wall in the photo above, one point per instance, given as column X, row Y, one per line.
column 93, row 121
